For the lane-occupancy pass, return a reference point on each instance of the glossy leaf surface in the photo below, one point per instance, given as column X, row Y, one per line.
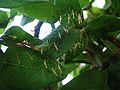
column 44, row 11
column 15, row 3
column 3, row 19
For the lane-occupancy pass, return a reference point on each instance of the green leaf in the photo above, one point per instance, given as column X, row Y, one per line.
column 3, row 19
column 61, row 41
column 81, row 58
column 113, row 72
column 16, row 3
column 90, row 80
column 1, row 30
column 25, row 20
column 1, row 59
column 112, row 7
column 26, row 69
column 9, row 4
column 99, row 27
column 44, row 11
column 96, row 11
column 67, row 5
column 83, row 3
column 107, row 4
column 15, row 36
column 13, row 13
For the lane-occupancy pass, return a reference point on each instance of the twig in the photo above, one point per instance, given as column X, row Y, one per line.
column 115, row 41
column 53, row 27
column 37, row 29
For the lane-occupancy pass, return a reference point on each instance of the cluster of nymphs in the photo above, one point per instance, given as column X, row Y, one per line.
column 74, row 22
column 65, row 38
column 56, row 71
column 72, row 17
column 66, row 32
column 26, row 43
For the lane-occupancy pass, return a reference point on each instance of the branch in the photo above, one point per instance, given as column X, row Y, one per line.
column 53, row 27
column 37, row 29
column 115, row 41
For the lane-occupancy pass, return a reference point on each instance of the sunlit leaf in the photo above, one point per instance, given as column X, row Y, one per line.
column 44, row 11
column 39, row 9
column 96, row 11
column 83, row 3
column 1, row 30
column 16, row 3
column 3, row 19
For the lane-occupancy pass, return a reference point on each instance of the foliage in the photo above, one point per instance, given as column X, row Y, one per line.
column 33, row 64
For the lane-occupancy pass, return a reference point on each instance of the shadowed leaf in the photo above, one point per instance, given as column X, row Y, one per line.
column 90, row 80
column 29, row 71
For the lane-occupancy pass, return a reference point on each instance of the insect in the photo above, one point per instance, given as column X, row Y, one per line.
column 59, row 68
column 54, row 72
column 59, row 35
column 73, row 14
column 45, row 64
column 42, row 47
column 41, row 51
column 77, row 45
column 12, row 37
column 63, row 57
column 60, row 18
column 55, row 46
column 65, row 30
column 79, row 18
column 69, row 18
